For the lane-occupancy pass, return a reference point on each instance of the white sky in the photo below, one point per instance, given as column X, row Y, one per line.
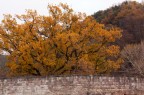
column 87, row 6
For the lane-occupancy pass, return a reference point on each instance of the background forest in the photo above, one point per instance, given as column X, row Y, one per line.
column 65, row 43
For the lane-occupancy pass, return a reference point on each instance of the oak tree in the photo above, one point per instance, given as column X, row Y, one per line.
column 64, row 42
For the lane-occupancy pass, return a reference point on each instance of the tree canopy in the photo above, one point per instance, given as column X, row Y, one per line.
column 64, row 42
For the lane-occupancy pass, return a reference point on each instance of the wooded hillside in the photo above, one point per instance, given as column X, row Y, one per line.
column 129, row 16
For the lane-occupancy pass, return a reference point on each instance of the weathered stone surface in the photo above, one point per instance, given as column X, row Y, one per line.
column 73, row 85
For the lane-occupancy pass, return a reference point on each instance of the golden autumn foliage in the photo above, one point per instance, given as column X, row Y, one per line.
column 62, row 43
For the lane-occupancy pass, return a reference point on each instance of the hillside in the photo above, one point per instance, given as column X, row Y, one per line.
column 129, row 16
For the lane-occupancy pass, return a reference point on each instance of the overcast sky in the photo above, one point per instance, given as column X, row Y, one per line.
column 87, row 6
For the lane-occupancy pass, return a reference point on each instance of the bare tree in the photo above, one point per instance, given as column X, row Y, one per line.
column 134, row 54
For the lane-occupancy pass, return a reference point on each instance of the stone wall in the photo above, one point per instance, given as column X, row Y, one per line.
column 73, row 85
